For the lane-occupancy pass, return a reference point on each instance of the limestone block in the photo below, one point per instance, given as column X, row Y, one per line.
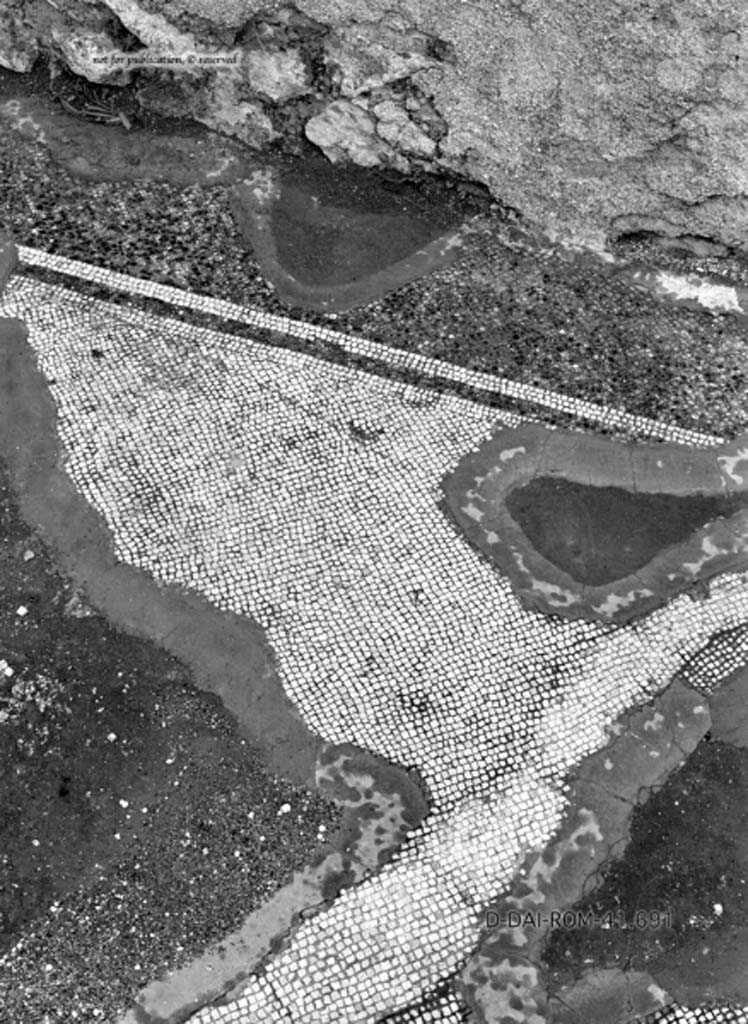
column 89, row 55
column 395, row 127
column 346, row 130
column 279, row 75
column 368, row 56
column 18, row 45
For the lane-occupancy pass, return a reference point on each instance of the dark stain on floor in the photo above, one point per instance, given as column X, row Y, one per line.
column 684, row 879
column 601, row 534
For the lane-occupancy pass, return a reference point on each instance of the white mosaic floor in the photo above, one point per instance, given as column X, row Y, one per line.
column 304, row 493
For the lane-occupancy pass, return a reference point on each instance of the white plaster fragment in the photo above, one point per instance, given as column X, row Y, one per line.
column 709, row 550
column 614, row 602
column 659, row 995
column 511, row 453
column 730, row 462
column 707, row 293
column 473, row 511
column 655, row 722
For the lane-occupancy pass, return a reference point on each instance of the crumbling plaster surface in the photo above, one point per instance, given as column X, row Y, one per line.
column 592, row 119
column 587, row 116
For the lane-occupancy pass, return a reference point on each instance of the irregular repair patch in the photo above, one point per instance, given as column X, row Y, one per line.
column 503, row 978
column 321, row 229
column 381, row 806
column 576, row 574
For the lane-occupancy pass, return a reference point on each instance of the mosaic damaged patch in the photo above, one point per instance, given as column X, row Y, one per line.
column 304, row 494
column 323, row 248
column 588, row 527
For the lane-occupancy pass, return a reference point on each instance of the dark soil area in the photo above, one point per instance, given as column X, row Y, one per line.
column 133, row 820
column 601, row 534
column 681, row 886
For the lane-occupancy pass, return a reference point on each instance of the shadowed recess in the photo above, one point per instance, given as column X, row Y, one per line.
column 601, row 534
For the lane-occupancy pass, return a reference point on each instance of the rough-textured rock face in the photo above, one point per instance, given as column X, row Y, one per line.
column 593, row 119
column 20, row 25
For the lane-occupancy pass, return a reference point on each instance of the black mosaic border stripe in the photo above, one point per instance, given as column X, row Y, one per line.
column 328, row 351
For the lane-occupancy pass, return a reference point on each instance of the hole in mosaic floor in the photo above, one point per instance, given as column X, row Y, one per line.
column 334, row 226
column 601, row 534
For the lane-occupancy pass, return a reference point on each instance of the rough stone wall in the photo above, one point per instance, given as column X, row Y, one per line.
column 591, row 118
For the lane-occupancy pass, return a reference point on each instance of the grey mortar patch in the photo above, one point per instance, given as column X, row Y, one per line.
column 251, row 203
column 729, row 709
column 381, row 802
column 609, row 994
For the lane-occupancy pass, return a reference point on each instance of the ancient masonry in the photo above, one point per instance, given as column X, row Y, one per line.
column 305, row 493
